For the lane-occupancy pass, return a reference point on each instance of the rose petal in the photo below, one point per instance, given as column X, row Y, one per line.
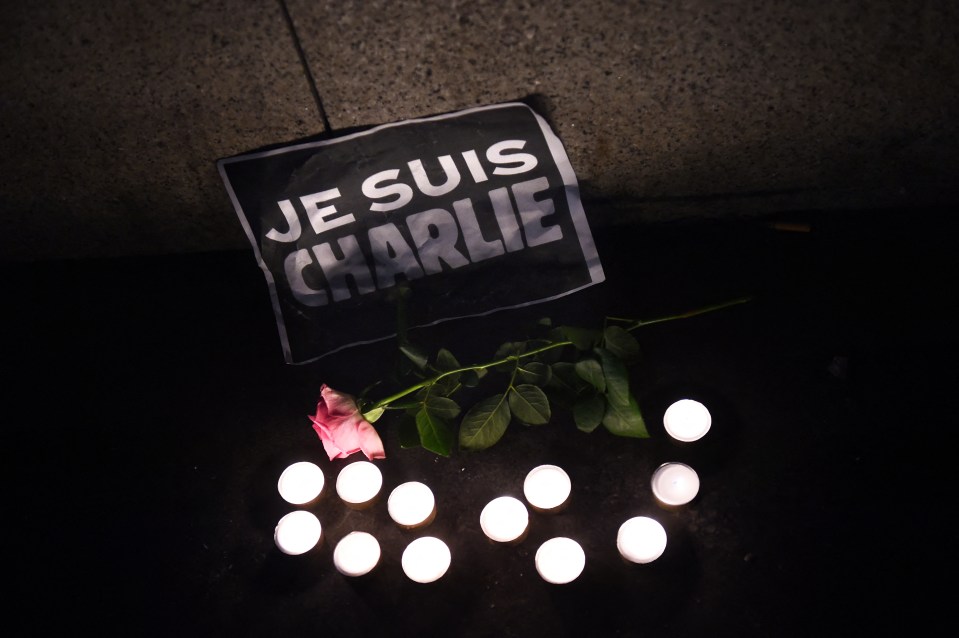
column 370, row 442
column 342, row 428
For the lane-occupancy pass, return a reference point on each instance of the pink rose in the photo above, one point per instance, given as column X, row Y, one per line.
column 342, row 428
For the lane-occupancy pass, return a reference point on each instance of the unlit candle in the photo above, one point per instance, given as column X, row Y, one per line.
column 546, row 487
column 560, row 560
column 301, row 483
column 411, row 504
column 297, row 533
column 675, row 483
column 356, row 554
column 359, row 482
column 641, row 539
column 504, row 519
column 426, row 559
column 687, row 420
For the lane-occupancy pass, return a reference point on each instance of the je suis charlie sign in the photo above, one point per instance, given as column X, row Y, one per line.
column 474, row 211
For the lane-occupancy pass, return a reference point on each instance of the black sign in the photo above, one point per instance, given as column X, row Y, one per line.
column 473, row 212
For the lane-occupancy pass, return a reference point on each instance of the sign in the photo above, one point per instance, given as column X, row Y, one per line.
column 469, row 212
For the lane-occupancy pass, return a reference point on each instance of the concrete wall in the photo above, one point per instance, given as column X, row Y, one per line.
column 115, row 112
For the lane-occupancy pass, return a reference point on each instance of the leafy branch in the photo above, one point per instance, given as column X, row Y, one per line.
column 583, row 370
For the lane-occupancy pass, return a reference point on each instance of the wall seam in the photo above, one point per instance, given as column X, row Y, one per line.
column 306, row 66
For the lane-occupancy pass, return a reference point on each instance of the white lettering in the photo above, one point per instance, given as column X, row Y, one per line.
column 292, row 222
column 392, row 256
column 495, row 155
column 402, row 192
column 532, row 212
column 320, row 217
column 293, row 267
column 337, row 270
column 476, row 245
column 423, row 181
column 506, row 219
column 441, row 246
column 473, row 164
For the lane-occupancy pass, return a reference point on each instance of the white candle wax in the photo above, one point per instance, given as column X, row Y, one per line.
column 301, row 482
column 687, row 420
column 546, row 487
column 359, row 482
column 504, row 519
column 297, row 533
column 426, row 559
column 560, row 560
column 675, row 483
column 411, row 504
column 356, row 554
column 641, row 540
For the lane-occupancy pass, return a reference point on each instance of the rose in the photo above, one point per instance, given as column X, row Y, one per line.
column 342, row 428
column 588, row 364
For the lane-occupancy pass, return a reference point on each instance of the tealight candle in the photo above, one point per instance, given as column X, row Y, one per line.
column 301, row 482
column 560, row 560
column 358, row 483
column 504, row 519
column 547, row 488
column 675, row 484
column 641, row 540
column 356, row 554
column 297, row 533
column 426, row 559
column 687, row 420
column 411, row 504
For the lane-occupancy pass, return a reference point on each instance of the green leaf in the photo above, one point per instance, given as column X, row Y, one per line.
column 553, row 354
column 591, row 371
column 582, row 338
column 471, row 378
column 621, row 343
column 414, row 354
column 442, row 408
column 625, row 421
column 534, row 372
column 446, row 386
column 588, row 413
column 509, row 348
column 435, row 435
column 445, row 361
column 484, row 423
column 565, row 378
column 529, row 404
column 409, row 435
column 617, row 379
column 565, row 385
column 374, row 414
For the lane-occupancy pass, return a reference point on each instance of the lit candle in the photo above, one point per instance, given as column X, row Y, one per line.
column 504, row 519
column 675, row 484
column 411, row 504
column 641, row 540
column 426, row 559
column 297, row 533
column 356, row 554
column 547, row 487
column 301, row 482
column 358, row 483
column 687, row 420
column 560, row 560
